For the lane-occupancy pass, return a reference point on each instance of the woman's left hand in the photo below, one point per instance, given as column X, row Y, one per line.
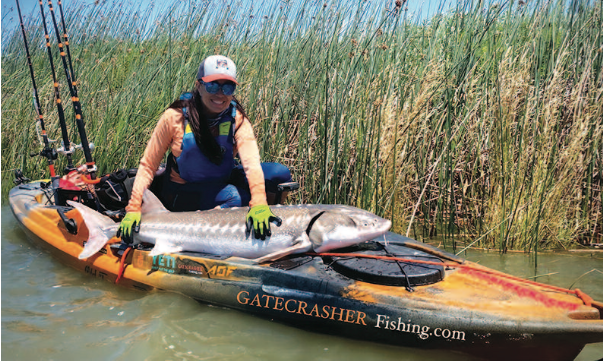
column 128, row 226
column 259, row 218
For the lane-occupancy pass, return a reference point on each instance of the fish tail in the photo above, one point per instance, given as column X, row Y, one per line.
column 100, row 229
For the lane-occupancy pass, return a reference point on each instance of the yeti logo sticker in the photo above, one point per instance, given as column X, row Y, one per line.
column 164, row 263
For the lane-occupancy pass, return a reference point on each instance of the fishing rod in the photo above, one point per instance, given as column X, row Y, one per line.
column 71, row 82
column 66, row 149
column 49, row 153
column 66, row 39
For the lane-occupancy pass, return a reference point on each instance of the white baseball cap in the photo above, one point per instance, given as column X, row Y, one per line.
column 217, row 67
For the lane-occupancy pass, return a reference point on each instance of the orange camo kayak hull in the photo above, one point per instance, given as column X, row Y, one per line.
column 469, row 308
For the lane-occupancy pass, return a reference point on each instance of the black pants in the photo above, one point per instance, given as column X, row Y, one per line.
column 232, row 193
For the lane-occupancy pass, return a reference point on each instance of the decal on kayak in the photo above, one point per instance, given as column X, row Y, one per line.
column 423, row 332
column 190, row 267
column 94, row 272
column 295, row 306
column 221, row 271
column 183, row 266
column 164, row 263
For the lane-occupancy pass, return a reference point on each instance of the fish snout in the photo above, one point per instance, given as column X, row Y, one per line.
column 385, row 224
column 346, row 227
column 373, row 223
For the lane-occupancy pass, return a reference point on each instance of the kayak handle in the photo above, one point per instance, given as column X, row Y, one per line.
column 70, row 224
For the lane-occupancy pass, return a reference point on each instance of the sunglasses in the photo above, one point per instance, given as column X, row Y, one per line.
column 213, row 88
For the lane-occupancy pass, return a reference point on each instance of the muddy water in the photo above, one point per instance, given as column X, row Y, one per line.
column 52, row 312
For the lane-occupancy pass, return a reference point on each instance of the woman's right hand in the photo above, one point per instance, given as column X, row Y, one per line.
column 128, row 226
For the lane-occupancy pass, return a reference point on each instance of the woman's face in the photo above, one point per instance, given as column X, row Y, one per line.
column 214, row 103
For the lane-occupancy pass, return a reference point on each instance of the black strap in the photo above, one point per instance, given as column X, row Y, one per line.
column 119, row 176
column 186, row 119
column 171, row 164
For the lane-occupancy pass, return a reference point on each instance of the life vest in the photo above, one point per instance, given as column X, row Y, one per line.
column 193, row 166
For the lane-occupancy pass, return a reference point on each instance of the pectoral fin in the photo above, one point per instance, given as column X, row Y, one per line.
column 302, row 244
column 164, row 248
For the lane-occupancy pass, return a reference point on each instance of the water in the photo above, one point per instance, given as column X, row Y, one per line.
column 52, row 312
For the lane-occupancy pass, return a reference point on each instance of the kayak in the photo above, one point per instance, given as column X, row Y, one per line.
column 391, row 289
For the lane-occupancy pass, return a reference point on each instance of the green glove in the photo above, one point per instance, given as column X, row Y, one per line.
column 129, row 225
column 259, row 217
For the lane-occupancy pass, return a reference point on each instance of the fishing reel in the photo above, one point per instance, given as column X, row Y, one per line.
column 48, row 153
column 52, row 154
column 73, row 147
column 68, row 153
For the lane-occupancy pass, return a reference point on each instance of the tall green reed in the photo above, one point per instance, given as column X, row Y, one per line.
column 483, row 121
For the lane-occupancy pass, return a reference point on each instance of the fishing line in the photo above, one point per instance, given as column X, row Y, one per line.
column 71, row 82
column 66, row 149
column 49, row 153
column 39, row 134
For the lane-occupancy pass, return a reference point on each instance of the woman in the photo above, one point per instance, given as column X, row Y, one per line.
column 203, row 131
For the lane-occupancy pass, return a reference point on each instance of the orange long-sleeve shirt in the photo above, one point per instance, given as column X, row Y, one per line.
column 168, row 135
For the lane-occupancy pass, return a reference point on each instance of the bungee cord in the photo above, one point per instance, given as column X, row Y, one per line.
column 493, row 276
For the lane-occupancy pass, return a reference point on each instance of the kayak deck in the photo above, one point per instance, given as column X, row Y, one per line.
column 470, row 308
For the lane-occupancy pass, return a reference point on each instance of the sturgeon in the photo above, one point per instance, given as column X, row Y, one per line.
column 304, row 228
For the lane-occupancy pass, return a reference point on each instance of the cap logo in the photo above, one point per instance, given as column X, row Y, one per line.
column 221, row 63
column 217, row 67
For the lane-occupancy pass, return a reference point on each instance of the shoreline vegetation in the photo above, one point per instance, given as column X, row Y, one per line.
column 483, row 123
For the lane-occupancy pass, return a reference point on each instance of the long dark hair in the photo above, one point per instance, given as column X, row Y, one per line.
column 200, row 126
